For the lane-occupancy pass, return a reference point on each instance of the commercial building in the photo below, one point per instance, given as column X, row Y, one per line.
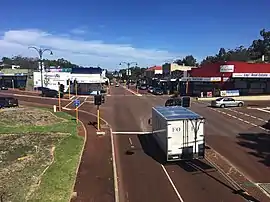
column 151, row 72
column 173, row 69
column 89, row 79
column 12, row 77
column 248, row 78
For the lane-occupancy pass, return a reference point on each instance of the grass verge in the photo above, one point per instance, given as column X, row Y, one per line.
column 38, row 162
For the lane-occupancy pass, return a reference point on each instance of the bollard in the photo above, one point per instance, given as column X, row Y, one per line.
column 54, row 108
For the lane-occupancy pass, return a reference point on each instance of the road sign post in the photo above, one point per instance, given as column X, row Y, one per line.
column 77, row 103
column 76, row 88
column 59, row 97
column 98, row 118
column 69, row 88
column 98, row 102
column 77, row 115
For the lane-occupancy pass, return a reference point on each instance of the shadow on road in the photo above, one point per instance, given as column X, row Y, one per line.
column 258, row 144
column 196, row 166
column 152, row 149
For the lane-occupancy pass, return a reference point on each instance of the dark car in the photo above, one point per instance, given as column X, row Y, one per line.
column 173, row 102
column 8, row 102
column 3, row 88
column 143, row 87
column 41, row 88
column 51, row 93
column 157, row 91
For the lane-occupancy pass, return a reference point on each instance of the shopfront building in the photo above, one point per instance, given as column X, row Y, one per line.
column 248, row 78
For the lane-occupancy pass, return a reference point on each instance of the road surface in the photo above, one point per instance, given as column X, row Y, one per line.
column 239, row 134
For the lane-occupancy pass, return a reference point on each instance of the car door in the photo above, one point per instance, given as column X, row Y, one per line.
column 232, row 102
column 226, row 102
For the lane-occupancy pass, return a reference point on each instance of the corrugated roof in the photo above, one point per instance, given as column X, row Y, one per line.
column 154, row 68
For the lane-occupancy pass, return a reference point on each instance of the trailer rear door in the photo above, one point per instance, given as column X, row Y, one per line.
column 175, row 140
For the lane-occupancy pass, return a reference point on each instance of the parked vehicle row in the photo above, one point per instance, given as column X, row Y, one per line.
column 3, row 88
column 8, row 102
column 150, row 89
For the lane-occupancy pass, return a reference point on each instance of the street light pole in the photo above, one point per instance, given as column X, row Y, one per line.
column 40, row 52
column 128, row 66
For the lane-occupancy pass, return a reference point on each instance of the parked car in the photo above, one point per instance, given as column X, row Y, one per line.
column 150, row 89
column 8, row 102
column 226, row 102
column 158, row 91
column 41, row 88
column 143, row 87
column 3, row 88
column 51, row 93
column 173, row 102
column 117, row 85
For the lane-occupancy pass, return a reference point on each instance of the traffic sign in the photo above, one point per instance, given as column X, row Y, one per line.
column 76, row 103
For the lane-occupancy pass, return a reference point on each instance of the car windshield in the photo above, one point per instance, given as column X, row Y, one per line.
column 219, row 99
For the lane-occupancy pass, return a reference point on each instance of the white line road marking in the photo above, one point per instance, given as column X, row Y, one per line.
column 242, row 120
column 85, row 99
column 130, row 141
column 72, row 97
column 68, row 103
column 115, row 177
column 254, row 117
column 32, row 96
column 80, row 105
column 132, row 133
column 66, row 108
column 170, row 180
column 263, row 110
column 138, row 94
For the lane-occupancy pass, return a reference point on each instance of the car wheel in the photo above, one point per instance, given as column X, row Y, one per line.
column 222, row 106
column 240, row 104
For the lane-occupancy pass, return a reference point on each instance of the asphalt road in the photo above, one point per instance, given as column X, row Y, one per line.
column 144, row 176
column 239, row 134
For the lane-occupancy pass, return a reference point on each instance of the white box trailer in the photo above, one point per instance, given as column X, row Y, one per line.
column 179, row 132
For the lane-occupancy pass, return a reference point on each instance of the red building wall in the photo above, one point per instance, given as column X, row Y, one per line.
column 213, row 70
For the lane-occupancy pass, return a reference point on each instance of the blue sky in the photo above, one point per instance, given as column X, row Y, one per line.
column 149, row 32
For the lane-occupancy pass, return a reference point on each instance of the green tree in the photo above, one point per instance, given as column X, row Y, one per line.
column 254, row 52
column 189, row 60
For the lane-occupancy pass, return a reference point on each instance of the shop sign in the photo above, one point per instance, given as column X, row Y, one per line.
column 251, row 75
column 226, row 68
column 202, row 79
column 209, row 94
column 229, row 93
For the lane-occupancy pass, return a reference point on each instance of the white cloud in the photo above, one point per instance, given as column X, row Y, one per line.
column 78, row 31
column 81, row 52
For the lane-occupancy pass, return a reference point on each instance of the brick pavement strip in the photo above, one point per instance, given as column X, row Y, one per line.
column 95, row 175
column 245, row 187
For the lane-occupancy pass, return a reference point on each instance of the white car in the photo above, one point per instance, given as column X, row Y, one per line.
column 150, row 89
column 227, row 102
column 117, row 85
